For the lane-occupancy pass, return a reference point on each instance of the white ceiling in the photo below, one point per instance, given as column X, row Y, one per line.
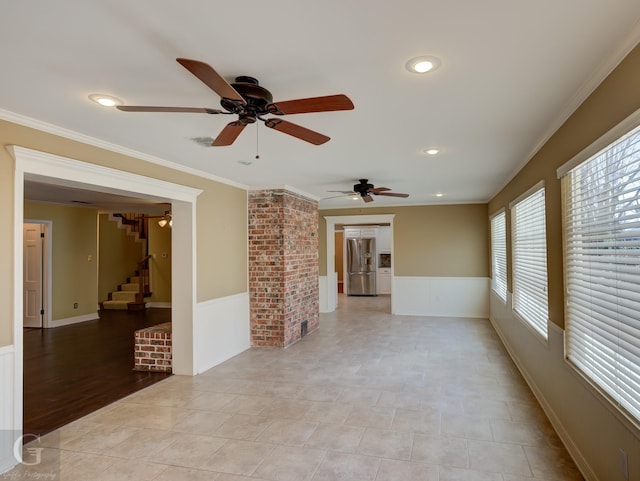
column 511, row 73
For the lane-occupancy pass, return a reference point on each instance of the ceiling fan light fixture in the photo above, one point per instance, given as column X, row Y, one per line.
column 105, row 100
column 423, row 64
column 431, row 151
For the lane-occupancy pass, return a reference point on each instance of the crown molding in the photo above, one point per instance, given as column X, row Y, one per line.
column 102, row 144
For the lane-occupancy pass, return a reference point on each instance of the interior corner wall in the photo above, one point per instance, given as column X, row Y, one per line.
column 75, row 245
column 590, row 426
column 283, row 267
column 160, row 264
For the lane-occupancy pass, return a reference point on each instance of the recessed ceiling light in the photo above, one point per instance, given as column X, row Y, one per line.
column 105, row 100
column 423, row 64
column 431, row 151
column 439, row 194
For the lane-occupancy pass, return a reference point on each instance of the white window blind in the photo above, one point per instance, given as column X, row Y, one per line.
column 602, row 269
column 499, row 254
column 529, row 248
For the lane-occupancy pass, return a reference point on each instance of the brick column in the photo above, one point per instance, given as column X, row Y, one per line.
column 283, row 267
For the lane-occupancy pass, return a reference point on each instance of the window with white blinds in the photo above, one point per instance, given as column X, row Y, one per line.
column 601, row 219
column 499, row 254
column 529, row 256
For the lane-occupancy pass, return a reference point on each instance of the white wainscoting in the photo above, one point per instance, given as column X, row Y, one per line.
column 441, row 296
column 8, row 428
column 221, row 330
column 328, row 292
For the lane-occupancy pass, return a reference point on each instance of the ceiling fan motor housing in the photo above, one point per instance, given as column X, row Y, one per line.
column 256, row 97
column 363, row 187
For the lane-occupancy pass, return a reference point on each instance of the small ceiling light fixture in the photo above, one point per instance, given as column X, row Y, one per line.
column 423, row 64
column 355, row 197
column 166, row 219
column 439, row 194
column 105, row 100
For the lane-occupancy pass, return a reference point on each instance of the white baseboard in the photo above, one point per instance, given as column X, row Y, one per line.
column 74, row 320
column 160, row 305
column 554, row 419
column 549, row 360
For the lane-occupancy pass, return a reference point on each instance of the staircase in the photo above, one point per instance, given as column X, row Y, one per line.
column 127, row 297
column 130, row 295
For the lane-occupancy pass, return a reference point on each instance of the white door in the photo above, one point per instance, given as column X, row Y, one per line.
column 33, row 239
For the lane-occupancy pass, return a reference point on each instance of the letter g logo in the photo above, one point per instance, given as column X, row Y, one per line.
column 34, row 453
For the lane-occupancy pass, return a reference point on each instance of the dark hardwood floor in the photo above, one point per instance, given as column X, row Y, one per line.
column 71, row 371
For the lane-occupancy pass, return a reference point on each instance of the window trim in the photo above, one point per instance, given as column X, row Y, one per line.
column 600, row 144
column 526, row 194
column 594, row 149
column 527, row 323
column 501, row 211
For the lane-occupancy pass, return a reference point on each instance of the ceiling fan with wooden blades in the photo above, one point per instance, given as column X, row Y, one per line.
column 251, row 102
column 365, row 190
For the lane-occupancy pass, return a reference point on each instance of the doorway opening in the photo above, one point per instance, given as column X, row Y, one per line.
column 51, row 169
column 334, row 223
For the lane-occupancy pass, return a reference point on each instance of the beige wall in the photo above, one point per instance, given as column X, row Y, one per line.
column 430, row 241
column 616, row 98
column 222, row 242
column 586, row 420
column 221, row 216
column 74, row 278
column 119, row 256
column 160, row 267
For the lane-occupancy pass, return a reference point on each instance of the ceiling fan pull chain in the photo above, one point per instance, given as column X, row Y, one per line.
column 257, row 143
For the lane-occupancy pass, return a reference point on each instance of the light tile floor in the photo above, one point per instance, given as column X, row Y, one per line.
column 367, row 397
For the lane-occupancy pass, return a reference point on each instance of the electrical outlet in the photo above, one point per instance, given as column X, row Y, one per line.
column 75, row 305
column 624, row 463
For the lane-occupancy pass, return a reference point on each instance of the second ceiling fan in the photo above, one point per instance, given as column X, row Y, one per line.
column 364, row 189
column 251, row 102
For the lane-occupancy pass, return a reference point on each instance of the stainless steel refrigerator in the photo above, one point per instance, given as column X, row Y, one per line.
column 361, row 267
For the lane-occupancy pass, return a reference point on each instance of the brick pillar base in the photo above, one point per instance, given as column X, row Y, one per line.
column 152, row 350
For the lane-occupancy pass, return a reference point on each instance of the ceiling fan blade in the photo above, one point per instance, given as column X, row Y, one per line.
column 367, row 198
column 393, row 194
column 345, row 192
column 195, row 110
column 377, row 190
column 297, row 131
column 211, row 79
column 229, row 134
column 329, row 103
column 337, row 197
